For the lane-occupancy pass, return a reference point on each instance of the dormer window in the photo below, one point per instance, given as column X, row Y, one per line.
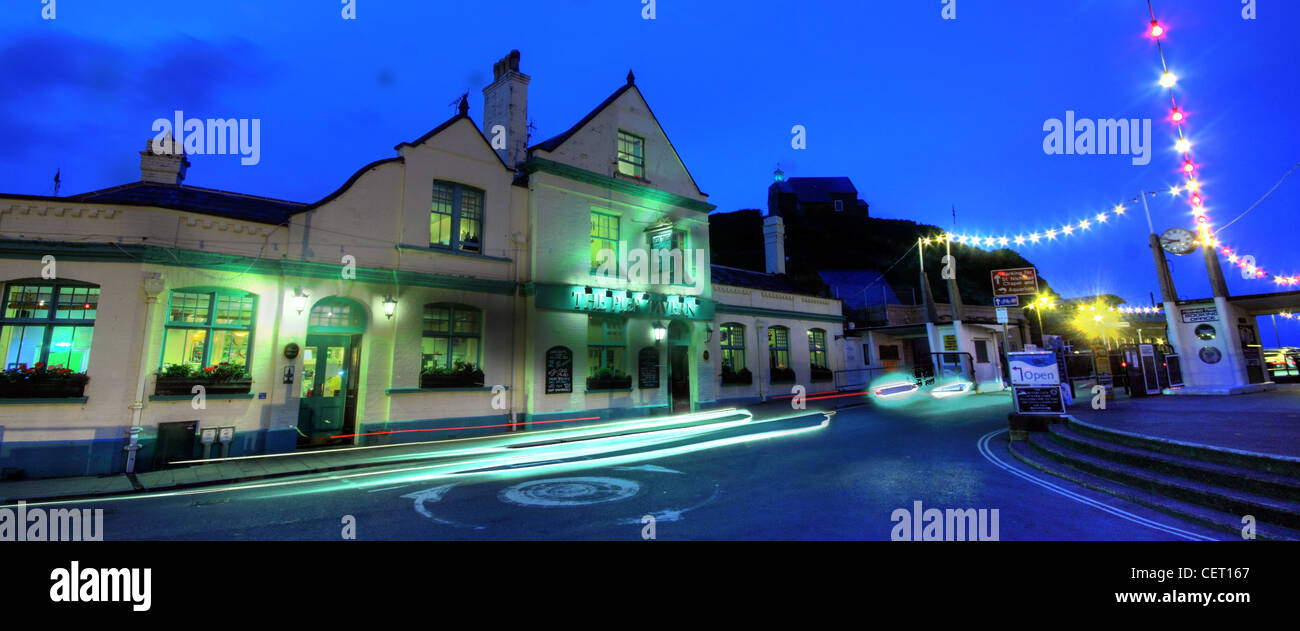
column 631, row 154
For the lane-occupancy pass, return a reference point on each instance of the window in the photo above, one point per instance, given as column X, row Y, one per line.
column 207, row 326
column 605, row 343
column 732, row 337
column 817, row 348
column 888, row 352
column 456, row 218
column 982, row 351
column 604, row 238
column 452, row 333
column 778, row 347
column 839, row 205
column 631, row 154
column 50, row 323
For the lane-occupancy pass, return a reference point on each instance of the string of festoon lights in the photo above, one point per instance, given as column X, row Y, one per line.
column 1190, row 169
column 1045, row 236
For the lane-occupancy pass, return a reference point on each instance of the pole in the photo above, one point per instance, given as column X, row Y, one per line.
column 1275, row 333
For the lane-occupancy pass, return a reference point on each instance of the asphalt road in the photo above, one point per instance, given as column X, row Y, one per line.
column 838, row 482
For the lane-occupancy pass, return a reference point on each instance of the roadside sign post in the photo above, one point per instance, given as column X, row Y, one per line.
column 1036, row 390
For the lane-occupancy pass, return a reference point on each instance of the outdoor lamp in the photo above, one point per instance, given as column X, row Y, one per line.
column 708, row 333
column 390, row 306
column 660, row 330
column 299, row 299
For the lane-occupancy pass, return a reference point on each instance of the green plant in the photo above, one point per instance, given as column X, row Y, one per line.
column 216, row 373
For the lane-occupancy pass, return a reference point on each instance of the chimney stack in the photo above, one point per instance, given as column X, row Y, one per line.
column 774, row 244
column 164, row 164
column 505, row 103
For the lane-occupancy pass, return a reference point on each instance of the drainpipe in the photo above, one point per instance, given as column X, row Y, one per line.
column 153, row 285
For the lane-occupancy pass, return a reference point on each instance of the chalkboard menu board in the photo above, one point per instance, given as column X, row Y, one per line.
column 559, row 370
column 648, row 368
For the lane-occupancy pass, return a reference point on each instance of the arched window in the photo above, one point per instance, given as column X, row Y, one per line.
column 207, row 326
column 817, row 356
column 452, row 335
column 48, row 322
column 732, row 338
column 778, row 354
column 336, row 314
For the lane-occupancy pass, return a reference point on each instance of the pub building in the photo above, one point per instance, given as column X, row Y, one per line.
column 455, row 287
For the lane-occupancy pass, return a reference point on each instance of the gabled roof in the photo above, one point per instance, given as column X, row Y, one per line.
column 463, row 113
column 817, row 189
column 554, row 142
column 205, row 201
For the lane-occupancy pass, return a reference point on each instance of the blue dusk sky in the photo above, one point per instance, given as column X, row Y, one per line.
column 923, row 113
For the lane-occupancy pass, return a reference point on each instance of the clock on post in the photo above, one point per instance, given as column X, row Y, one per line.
column 1178, row 241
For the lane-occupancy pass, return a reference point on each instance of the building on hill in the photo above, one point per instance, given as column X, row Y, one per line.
column 801, row 198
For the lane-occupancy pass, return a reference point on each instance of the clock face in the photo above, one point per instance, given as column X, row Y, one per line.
column 1178, row 241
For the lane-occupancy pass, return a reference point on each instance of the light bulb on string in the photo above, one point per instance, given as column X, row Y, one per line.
column 1156, row 29
column 1168, row 79
column 1177, row 115
column 1183, row 145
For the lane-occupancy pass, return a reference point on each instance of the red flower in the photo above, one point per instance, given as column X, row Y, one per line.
column 209, row 369
column 40, row 365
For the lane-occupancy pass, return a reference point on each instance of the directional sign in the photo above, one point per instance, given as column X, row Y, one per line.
column 1002, row 315
column 1006, row 301
column 1021, row 281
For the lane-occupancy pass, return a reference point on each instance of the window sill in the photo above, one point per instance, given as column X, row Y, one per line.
column 437, row 250
column 457, row 389
column 47, row 401
column 187, row 397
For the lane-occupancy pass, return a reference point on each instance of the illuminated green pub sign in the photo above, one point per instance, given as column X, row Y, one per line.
column 623, row 302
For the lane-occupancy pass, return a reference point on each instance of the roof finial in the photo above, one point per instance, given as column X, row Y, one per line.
column 631, row 78
column 464, row 104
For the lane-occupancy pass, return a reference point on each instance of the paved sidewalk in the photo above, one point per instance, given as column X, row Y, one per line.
column 295, row 463
column 1263, row 422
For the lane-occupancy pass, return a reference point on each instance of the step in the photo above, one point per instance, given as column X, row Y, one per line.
column 1194, row 513
column 1264, row 508
column 1281, row 465
column 1275, row 485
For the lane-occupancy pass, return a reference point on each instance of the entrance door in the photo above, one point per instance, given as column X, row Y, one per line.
column 679, row 379
column 328, row 388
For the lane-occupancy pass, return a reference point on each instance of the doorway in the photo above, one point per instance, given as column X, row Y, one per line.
column 679, row 368
column 331, row 373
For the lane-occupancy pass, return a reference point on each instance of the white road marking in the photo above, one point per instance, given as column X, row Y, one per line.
column 991, row 457
column 579, row 491
column 434, row 495
column 388, row 488
column 654, row 468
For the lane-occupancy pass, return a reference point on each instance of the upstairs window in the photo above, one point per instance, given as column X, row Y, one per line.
column 604, row 241
column 50, row 323
column 456, row 218
column 631, row 154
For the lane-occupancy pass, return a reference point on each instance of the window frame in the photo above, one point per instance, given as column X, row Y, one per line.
column 457, row 216
column 814, row 350
column 611, row 242
column 210, row 326
column 51, row 320
column 731, row 339
column 773, row 350
column 452, row 308
column 605, row 343
column 636, row 162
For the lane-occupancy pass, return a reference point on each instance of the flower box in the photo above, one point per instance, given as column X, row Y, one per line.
column 609, row 383
column 174, row 386
column 69, row 386
column 783, row 375
column 460, row 380
column 742, row 378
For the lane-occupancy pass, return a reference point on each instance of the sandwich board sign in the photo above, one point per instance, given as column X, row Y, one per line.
column 1036, row 382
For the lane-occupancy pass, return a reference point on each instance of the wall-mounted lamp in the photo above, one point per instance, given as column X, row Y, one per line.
column 708, row 333
column 390, row 306
column 660, row 330
column 299, row 300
